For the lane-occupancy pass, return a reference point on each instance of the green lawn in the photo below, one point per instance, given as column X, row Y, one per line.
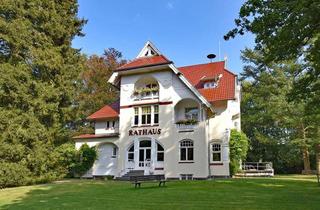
column 282, row 192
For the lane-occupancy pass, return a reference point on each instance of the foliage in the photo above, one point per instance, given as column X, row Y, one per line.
column 284, row 31
column 145, row 90
column 84, row 160
column 38, row 84
column 239, row 144
column 95, row 91
column 13, row 174
column 187, row 122
column 279, row 129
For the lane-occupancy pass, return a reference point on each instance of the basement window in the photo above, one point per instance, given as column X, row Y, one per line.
column 186, row 176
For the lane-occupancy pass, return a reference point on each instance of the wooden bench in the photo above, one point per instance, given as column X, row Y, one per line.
column 137, row 180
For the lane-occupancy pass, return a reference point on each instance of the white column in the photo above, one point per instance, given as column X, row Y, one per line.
column 153, row 153
column 136, row 153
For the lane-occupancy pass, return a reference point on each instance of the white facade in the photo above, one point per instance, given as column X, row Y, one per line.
column 150, row 138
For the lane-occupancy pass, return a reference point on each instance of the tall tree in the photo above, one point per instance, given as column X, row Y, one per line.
column 276, row 125
column 287, row 30
column 39, row 72
column 96, row 92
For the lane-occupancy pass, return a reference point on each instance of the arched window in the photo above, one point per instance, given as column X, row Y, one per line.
column 186, row 150
column 160, row 153
column 146, row 88
column 131, row 153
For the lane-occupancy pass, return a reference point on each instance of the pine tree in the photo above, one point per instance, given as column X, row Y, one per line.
column 39, row 79
column 278, row 127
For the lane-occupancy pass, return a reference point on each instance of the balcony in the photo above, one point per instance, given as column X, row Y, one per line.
column 186, row 126
column 146, row 88
column 145, row 94
column 187, row 115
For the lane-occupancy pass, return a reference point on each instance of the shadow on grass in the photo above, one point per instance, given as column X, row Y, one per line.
column 254, row 193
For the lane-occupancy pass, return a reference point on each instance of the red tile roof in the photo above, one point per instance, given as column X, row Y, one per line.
column 94, row 136
column 108, row 111
column 196, row 74
column 144, row 62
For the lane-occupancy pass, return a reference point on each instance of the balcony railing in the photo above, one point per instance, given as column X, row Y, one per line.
column 147, row 95
column 186, row 126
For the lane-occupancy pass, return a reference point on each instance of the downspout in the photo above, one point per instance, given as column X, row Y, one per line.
column 207, row 131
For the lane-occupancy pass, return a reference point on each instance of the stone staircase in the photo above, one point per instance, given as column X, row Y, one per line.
column 126, row 177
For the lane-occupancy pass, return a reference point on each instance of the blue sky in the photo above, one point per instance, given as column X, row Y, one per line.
column 183, row 30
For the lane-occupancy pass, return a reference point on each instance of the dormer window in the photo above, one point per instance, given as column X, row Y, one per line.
column 211, row 84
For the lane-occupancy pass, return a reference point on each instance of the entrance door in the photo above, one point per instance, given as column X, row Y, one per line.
column 144, row 154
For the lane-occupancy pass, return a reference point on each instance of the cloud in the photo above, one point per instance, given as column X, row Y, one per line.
column 170, row 5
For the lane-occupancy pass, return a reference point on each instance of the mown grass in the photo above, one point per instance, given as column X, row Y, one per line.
column 282, row 192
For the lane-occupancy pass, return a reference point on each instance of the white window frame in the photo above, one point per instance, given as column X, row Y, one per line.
column 114, row 152
column 139, row 108
column 186, row 176
column 160, row 152
column 211, row 84
column 134, row 116
column 153, row 95
column 186, row 148
column 215, row 152
column 146, row 114
column 130, row 152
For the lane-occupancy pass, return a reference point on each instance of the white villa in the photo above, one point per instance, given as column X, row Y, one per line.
column 169, row 120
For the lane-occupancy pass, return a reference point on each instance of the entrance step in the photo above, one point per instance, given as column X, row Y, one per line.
column 126, row 177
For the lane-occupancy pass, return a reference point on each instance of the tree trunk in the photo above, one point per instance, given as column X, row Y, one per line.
column 305, row 154
column 318, row 158
column 306, row 161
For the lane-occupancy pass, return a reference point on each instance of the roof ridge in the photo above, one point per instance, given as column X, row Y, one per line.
column 200, row 64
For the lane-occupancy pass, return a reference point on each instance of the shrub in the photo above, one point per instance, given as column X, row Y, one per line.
column 14, row 174
column 84, row 160
column 239, row 145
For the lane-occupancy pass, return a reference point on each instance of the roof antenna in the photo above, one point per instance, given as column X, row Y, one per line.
column 211, row 56
column 219, row 51
column 225, row 61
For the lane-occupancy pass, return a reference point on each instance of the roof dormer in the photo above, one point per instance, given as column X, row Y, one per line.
column 211, row 82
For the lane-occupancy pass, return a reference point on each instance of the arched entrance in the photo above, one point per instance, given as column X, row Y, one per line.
column 145, row 154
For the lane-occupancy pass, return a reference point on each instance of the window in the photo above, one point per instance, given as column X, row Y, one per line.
column 186, row 176
column 156, row 114
column 216, row 152
column 160, row 153
column 186, row 150
column 191, row 113
column 146, row 115
column 136, row 116
column 114, row 152
column 108, row 125
column 131, row 153
column 210, row 85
